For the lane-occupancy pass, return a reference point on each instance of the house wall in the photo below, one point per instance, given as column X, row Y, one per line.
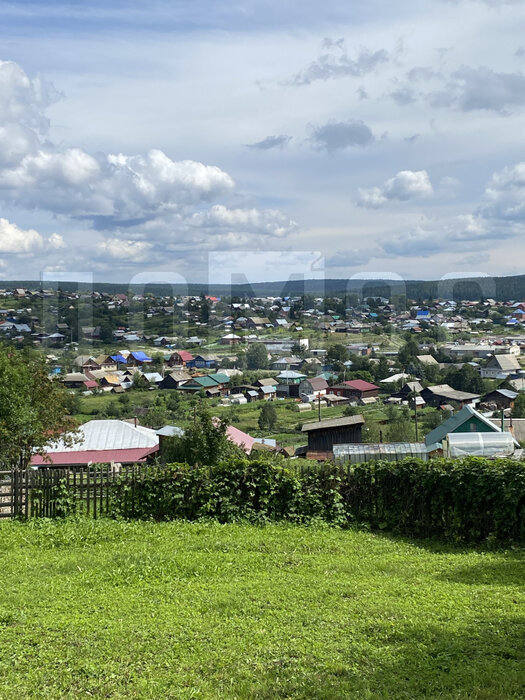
column 473, row 425
column 325, row 438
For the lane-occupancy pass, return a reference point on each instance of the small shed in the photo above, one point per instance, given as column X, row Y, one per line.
column 324, row 434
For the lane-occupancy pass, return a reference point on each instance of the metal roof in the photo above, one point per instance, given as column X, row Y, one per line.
column 219, row 377
column 390, row 452
column 170, row 431
column 449, row 393
column 268, row 389
column 99, row 435
column 455, row 421
column 75, row 377
column 84, row 457
column 290, row 374
column 334, row 423
column 360, row 385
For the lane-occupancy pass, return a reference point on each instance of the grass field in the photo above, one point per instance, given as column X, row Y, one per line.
column 104, row 609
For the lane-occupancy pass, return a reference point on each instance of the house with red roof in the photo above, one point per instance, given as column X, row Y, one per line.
column 102, row 442
column 180, row 358
column 355, row 388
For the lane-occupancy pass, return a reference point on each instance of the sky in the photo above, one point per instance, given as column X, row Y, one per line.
column 199, row 141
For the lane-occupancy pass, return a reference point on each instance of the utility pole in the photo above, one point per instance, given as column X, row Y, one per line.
column 415, row 416
column 319, row 406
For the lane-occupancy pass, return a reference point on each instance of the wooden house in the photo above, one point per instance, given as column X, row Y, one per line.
column 324, row 434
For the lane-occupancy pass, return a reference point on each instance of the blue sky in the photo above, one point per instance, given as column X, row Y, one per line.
column 203, row 139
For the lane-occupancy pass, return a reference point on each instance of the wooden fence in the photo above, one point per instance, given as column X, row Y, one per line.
column 50, row 491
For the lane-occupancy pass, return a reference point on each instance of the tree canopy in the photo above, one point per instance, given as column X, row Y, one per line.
column 257, row 356
column 33, row 408
column 205, row 441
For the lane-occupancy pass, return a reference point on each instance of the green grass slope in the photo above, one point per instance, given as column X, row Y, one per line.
column 104, row 609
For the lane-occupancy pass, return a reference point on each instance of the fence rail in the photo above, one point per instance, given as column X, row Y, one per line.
column 52, row 491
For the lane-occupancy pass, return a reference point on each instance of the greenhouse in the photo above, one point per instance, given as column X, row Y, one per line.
column 389, row 452
column 479, row 445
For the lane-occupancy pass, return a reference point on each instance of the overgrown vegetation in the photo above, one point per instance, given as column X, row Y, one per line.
column 33, row 409
column 468, row 500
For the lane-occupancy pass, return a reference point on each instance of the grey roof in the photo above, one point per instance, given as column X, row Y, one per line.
column 290, row 374
column 334, row 423
column 155, row 377
column 267, row 381
column 75, row 377
column 427, row 359
column 454, row 422
column 170, row 431
column 449, row 393
column 317, row 383
column 268, row 389
column 516, row 426
column 507, row 393
column 504, row 362
column 108, row 435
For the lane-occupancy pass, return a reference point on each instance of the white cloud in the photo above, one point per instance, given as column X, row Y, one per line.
column 404, row 186
column 146, row 195
column 25, row 242
column 504, row 197
column 268, row 222
column 456, row 235
column 112, row 189
column 22, row 99
column 126, row 251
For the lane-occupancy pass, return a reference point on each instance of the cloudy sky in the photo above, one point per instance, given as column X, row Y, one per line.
column 194, row 139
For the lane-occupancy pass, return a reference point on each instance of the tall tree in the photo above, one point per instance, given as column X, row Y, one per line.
column 267, row 417
column 257, row 356
column 33, row 409
column 204, row 442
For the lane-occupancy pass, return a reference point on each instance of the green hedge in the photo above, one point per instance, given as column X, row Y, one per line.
column 468, row 500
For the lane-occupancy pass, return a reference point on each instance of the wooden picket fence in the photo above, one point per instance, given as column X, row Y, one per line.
column 49, row 492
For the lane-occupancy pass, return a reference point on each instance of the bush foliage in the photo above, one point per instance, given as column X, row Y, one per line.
column 467, row 500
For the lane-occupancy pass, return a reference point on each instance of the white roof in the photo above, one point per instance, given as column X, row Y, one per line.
column 394, row 378
column 109, row 435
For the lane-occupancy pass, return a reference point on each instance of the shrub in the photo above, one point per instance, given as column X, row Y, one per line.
column 469, row 500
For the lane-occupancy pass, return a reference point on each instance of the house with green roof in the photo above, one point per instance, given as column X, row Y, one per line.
column 216, row 384
column 467, row 420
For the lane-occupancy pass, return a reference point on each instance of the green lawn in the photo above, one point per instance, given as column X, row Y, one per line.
column 102, row 609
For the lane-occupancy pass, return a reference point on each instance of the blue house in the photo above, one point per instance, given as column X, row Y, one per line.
column 204, row 362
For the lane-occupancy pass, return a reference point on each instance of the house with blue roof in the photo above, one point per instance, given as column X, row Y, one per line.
column 138, row 358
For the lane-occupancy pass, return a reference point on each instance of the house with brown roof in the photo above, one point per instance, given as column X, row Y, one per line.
column 444, row 394
column 257, row 322
column 356, row 388
column 316, row 386
column 324, row 434
column 174, row 379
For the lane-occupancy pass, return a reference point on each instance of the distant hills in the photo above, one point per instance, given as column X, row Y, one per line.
column 499, row 288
